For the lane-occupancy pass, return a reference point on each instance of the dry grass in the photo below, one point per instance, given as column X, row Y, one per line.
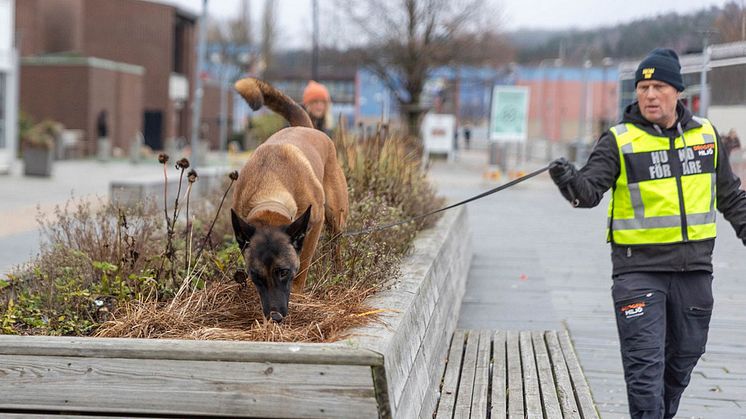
column 229, row 311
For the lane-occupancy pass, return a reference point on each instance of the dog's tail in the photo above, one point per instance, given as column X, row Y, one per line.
column 257, row 93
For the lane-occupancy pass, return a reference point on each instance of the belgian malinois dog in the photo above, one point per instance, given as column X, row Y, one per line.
column 290, row 187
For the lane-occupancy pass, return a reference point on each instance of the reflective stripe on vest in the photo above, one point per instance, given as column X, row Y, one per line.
column 657, row 182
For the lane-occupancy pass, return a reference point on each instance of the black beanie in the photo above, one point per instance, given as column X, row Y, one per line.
column 661, row 64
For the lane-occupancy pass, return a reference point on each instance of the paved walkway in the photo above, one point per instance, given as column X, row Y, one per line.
column 540, row 264
column 24, row 198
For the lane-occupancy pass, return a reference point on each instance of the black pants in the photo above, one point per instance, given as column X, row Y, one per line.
column 662, row 319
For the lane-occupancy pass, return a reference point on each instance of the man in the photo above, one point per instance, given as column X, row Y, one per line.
column 668, row 172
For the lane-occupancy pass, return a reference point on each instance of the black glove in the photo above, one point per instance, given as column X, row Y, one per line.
column 561, row 171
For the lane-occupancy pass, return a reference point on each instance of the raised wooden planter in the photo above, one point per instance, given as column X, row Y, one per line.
column 390, row 369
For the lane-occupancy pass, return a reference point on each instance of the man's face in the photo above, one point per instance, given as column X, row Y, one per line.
column 657, row 101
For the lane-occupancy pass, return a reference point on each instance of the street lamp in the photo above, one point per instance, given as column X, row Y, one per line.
column 606, row 62
column 198, row 90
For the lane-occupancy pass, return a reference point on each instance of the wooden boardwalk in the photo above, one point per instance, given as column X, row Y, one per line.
column 511, row 374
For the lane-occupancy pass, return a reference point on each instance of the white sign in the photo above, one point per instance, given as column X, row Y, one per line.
column 509, row 113
column 438, row 132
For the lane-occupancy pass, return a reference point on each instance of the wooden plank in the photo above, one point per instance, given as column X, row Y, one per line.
column 499, row 377
column 452, row 375
column 189, row 350
column 453, row 292
column 582, row 391
column 515, row 377
column 468, row 370
column 549, row 399
column 414, row 296
column 565, row 392
column 482, row 376
column 401, row 362
column 126, row 386
column 531, row 393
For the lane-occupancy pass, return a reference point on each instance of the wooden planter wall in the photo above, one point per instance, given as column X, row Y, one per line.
column 389, row 369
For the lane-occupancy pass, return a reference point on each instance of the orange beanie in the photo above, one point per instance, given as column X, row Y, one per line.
column 315, row 91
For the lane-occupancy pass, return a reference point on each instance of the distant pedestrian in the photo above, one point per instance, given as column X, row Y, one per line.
column 317, row 102
column 467, row 136
column 667, row 178
column 102, row 125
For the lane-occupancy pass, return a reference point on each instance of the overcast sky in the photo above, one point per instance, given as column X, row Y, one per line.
column 294, row 18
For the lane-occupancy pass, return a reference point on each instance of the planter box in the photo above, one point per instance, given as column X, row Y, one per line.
column 38, row 161
column 389, row 369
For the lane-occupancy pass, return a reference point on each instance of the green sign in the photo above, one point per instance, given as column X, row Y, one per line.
column 509, row 113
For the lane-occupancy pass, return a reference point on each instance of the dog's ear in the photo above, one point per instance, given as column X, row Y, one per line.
column 241, row 229
column 297, row 230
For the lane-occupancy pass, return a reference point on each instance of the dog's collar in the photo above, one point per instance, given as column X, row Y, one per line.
column 272, row 206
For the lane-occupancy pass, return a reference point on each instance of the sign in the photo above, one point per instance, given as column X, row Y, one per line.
column 509, row 113
column 438, row 131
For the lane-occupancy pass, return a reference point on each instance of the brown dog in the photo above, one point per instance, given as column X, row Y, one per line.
column 290, row 187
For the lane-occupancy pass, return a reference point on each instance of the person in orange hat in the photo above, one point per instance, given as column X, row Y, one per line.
column 318, row 104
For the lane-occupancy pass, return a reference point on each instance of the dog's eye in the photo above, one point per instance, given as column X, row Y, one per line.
column 283, row 273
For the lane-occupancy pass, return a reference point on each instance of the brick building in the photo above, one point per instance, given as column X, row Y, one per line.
column 133, row 58
column 569, row 103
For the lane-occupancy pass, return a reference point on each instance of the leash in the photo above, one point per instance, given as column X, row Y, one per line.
column 466, row 201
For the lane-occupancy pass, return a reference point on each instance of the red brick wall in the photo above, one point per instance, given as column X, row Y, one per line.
column 75, row 94
column 29, row 28
column 555, row 108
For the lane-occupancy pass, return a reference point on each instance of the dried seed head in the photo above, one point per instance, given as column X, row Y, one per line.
column 192, row 176
column 163, row 158
column 233, row 175
column 182, row 163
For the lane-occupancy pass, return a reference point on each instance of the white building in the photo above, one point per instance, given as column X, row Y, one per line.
column 8, row 86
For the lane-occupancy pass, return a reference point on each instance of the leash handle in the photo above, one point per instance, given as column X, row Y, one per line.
column 466, row 201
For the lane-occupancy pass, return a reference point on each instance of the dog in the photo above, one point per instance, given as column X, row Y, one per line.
column 290, row 187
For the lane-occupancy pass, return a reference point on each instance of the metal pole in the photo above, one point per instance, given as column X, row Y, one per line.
column 704, row 94
column 223, row 132
column 198, row 91
column 315, row 54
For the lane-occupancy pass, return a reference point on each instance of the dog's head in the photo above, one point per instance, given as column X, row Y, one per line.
column 272, row 256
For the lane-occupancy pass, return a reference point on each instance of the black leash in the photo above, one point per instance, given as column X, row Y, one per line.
column 474, row 198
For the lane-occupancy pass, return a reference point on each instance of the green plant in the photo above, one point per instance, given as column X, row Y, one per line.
column 42, row 135
column 263, row 126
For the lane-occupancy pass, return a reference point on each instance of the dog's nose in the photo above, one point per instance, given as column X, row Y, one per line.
column 276, row 316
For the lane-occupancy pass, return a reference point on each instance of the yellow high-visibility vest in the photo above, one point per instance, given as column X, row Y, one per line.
column 666, row 189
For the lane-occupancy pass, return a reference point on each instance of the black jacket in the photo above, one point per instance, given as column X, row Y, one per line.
column 601, row 171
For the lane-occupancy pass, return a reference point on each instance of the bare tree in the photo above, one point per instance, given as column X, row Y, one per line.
column 731, row 24
column 233, row 38
column 269, row 31
column 406, row 39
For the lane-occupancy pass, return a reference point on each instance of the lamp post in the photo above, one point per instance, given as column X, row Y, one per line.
column 606, row 62
column 704, row 94
column 198, row 91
